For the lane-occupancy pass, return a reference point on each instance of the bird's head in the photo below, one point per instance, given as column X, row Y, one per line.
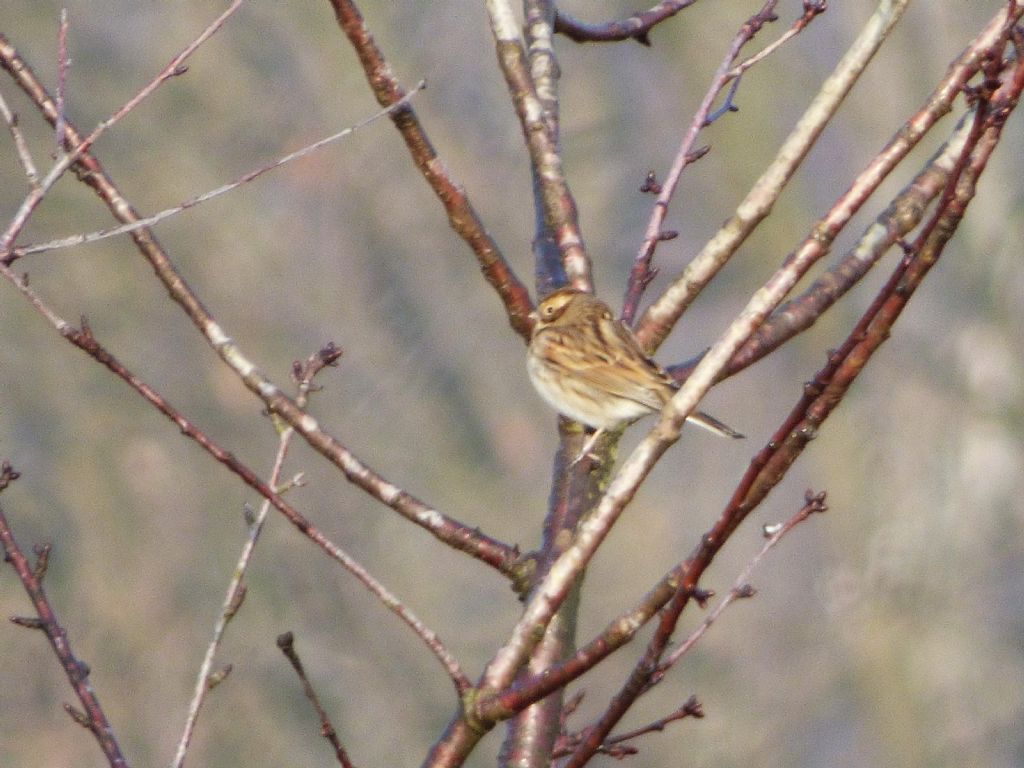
column 567, row 306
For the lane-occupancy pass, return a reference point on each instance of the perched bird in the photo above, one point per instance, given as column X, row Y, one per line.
column 589, row 367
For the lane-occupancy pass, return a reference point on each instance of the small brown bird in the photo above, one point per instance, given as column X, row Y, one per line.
column 589, row 367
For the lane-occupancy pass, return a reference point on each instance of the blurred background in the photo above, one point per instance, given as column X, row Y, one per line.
column 888, row 632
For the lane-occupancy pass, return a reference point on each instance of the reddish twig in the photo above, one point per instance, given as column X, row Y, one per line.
column 814, row 503
column 641, row 272
column 462, row 216
column 812, row 9
column 637, row 27
column 616, row 746
column 286, row 642
column 77, row 671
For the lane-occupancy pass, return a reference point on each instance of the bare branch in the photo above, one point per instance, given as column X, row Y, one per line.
column 77, row 149
column 446, row 529
column 286, row 642
column 559, row 206
column 77, row 671
column 232, row 602
column 812, row 9
column 24, row 155
column 641, row 275
column 617, row 747
column 813, row 504
column 103, row 234
column 661, row 316
column 462, row 216
column 637, row 27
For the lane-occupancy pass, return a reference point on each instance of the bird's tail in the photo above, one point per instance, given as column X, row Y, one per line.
column 711, row 424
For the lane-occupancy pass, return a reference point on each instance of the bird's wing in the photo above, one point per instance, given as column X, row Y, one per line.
column 617, row 366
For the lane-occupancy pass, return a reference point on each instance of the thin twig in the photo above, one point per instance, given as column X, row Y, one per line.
column 662, row 315
column 286, row 642
column 812, row 8
column 813, row 503
column 92, row 237
column 640, row 275
column 65, row 161
column 637, row 27
column 62, row 80
column 462, row 217
column 24, row 155
column 728, row 104
column 616, row 745
column 232, row 601
column 77, row 671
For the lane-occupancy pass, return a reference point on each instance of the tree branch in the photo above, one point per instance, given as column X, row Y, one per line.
column 662, row 315
column 446, row 529
column 286, row 642
column 642, row 273
column 559, row 206
column 636, row 27
column 77, row 671
column 156, row 218
column 76, row 149
column 462, row 216
column 901, row 217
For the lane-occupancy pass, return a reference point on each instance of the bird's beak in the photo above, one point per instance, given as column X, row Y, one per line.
column 534, row 316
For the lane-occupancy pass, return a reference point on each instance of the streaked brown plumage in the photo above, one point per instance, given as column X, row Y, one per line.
column 588, row 366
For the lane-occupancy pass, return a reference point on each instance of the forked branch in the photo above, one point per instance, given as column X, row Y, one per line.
column 90, row 171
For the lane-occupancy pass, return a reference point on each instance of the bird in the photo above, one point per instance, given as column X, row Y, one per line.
column 588, row 366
